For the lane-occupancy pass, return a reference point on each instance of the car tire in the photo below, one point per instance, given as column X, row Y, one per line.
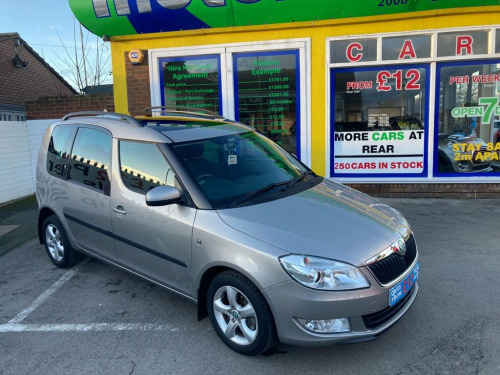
column 57, row 244
column 240, row 315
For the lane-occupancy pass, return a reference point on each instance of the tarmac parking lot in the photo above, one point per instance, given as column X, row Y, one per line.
column 96, row 319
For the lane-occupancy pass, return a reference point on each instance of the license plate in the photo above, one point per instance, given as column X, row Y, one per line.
column 398, row 291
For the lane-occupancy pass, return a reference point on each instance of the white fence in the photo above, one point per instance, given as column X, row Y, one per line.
column 19, row 144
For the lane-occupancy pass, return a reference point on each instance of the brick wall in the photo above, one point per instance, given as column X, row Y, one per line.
column 57, row 107
column 138, row 89
column 26, row 83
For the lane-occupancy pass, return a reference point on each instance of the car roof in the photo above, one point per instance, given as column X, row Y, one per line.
column 191, row 133
column 174, row 126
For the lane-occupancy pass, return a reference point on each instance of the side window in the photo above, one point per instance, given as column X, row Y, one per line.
column 90, row 159
column 143, row 167
column 56, row 154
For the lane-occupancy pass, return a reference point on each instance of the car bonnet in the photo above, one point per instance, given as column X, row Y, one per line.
column 329, row 220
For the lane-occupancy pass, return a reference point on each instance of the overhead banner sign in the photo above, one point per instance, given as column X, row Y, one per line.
column 129, row 17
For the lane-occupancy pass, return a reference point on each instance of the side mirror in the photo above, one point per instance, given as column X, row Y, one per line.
column 162, row 196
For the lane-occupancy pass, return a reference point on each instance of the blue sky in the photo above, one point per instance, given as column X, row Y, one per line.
column 39, row 22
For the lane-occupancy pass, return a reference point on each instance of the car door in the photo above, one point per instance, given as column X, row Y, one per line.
column 87, row 208
column 152, row 241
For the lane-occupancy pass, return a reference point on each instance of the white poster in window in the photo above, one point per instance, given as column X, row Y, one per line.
column 379, row 152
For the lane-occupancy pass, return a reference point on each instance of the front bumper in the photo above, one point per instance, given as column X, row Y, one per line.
column 366, row 309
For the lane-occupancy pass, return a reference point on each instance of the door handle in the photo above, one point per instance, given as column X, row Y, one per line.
column 120, row 210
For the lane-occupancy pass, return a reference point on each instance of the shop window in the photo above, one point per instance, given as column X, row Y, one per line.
column 378, row 122
column 267, row 94
column 143, row 167
column 191, row 83
column 467, row 140
column 353, row 50
column 90, row 159
column 463, row 43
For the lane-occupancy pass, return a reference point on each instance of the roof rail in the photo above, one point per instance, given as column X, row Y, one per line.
column 185, row 111
column 132, row 121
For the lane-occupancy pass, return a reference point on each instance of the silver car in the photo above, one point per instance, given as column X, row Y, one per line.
column 462, row 154
column 214, row 211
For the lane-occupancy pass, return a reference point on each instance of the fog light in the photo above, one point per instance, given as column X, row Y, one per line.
column 326, row 325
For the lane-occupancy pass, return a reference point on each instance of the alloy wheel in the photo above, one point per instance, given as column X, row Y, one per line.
column 235, row 315
column 54, row 242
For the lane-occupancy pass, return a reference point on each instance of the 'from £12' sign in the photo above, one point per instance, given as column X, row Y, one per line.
column 413, row 76
column 387, row 81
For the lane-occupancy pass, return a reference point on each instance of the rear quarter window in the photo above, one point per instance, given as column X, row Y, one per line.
column 56, row 153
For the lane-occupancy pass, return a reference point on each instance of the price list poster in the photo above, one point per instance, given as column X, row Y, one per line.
column 192, row 83
column 267, row 94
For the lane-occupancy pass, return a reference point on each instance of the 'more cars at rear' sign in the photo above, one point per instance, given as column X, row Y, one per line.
column 128, row 17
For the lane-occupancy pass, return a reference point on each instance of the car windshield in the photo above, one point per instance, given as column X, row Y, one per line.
column 240, row 168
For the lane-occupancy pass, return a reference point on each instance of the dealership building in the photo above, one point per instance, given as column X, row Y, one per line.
column 394, row 97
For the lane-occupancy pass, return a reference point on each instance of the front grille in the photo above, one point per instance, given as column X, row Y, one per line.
column 375, row 320
column 393, row 266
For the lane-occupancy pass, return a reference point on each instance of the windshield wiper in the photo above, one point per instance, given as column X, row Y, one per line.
column 258, row 192
column 300, row 178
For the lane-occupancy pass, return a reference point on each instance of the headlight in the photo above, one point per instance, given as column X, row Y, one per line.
column 323, row 274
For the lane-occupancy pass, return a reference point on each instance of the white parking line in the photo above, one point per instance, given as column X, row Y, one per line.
column 10, row 327
column 43, row 297
column 14, row 325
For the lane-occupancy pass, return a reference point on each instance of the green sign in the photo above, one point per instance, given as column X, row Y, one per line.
column 488, row 107
column 128, row 17
column 191, row 82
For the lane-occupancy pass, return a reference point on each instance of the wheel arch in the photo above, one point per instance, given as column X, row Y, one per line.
column 205, row 281
column 208, row 275
column 42, row 215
